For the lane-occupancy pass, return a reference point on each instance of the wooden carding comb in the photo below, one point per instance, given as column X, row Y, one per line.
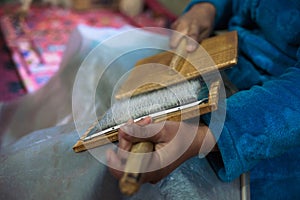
column 222, row 50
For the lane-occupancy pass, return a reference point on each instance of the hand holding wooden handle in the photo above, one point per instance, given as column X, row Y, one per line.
column 131, row 180
column 136, row 163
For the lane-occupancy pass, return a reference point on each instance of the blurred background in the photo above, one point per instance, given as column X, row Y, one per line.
column 34, row 34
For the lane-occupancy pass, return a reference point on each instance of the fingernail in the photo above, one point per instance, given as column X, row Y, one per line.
column 149, row 118
column 191, row 47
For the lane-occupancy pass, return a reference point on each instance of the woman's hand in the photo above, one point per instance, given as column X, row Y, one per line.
column 174, row 143
column 197, row 24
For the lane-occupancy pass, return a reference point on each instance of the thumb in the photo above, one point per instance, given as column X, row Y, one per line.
column 136, row 133
column 145, row 121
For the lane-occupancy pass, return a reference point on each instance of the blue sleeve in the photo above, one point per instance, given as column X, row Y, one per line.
column 261, row 123
column 223, row 11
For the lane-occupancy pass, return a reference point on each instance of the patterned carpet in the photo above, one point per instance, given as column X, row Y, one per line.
column 11, row 86
column 40, row 24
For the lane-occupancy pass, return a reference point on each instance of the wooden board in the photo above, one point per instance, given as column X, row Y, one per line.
column 222, row 51
column 215, row 53
column 211, row 105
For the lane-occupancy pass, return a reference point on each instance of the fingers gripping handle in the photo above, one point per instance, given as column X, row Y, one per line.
column 136, row 163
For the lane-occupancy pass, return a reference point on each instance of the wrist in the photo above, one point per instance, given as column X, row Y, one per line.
column 206, row 140
column 203, row 143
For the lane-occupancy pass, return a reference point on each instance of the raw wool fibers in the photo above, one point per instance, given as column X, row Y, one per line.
column 151, row 102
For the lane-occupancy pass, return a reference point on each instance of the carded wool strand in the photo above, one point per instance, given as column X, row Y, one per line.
column 149, row 103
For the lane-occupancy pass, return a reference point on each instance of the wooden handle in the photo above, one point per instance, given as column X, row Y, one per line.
column 179, row 57
column 131, row 180
column 136, row 163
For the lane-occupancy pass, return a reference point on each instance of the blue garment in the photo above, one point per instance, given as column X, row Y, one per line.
column 261, row 133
